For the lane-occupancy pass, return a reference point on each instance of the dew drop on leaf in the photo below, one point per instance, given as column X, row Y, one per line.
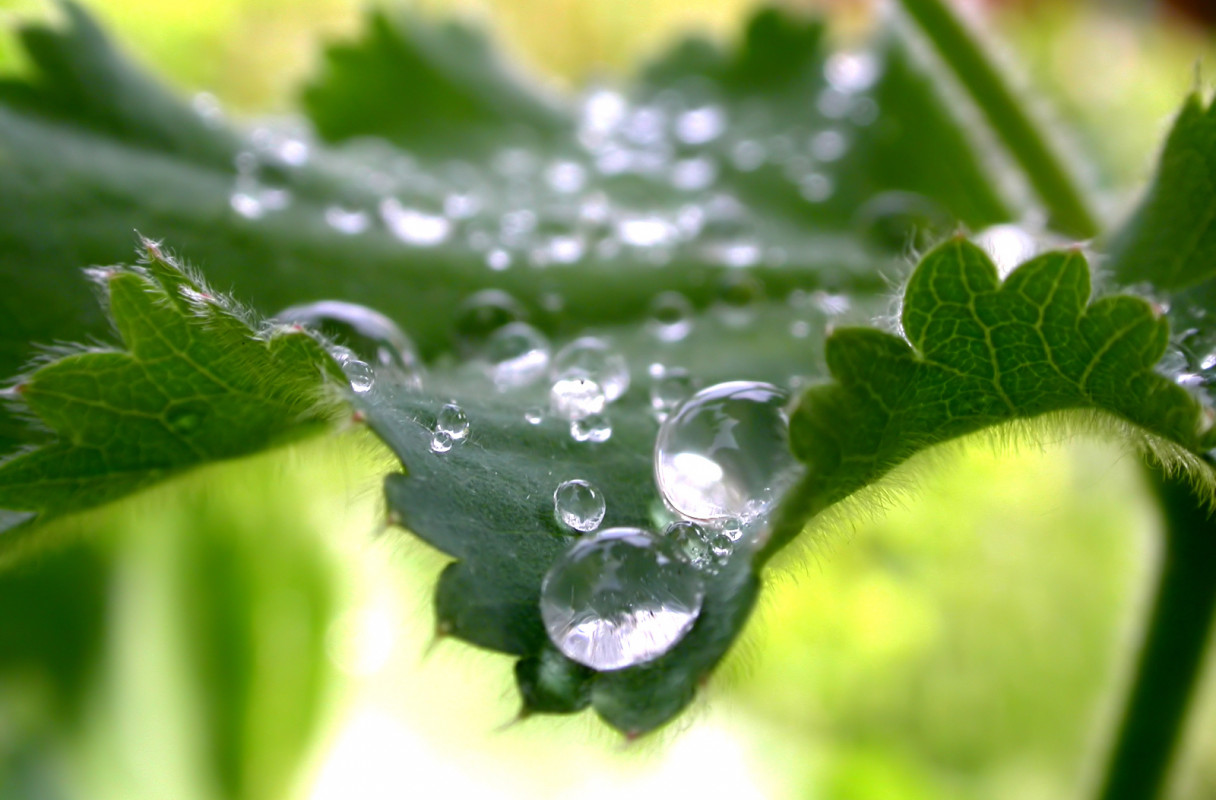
column 670, row 316
column 364, row 331
column 724, row 455
column 441, row 442
column 594, row 428
column 453, row 421
column 669, row 387
column 576, row 397
column 591, row 357
column 619, row 598
column 482, row 313
column 517, row 355
column 578, row 505
column 691, row 542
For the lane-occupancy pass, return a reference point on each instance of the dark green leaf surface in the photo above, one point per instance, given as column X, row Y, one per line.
column 193, row 382
column 979, row 353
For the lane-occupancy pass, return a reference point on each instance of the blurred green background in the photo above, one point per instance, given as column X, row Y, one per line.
column 242, row 632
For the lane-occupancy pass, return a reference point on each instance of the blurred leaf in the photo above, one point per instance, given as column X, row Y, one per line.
column 195, row 382
column 978, row 353
column 1170, row 240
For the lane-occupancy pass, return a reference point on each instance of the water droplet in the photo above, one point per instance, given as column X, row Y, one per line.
column 829, row 145
column 414, row 227
column 700, row 125
column 534, row 416
column 591, row 357
column 461, row 205
column 482, row 313
column 578, row 505
column 738, row 293
column 517, row 355
column 349, row 222
column 851, row 72
column 693, row 174
column 691, row 542
column 594, row 428
column 670, row 316
column 619, row 598
column 576, row 397
column 740, row 253
column 357, row 372
column 441, row 442
column 815, row 187
column 900, row 222
column 725, row 453
column 498, row 259
column 1008, row 246
column 365, row 331
column 645, row 126
column 748, row 155
column 645, row 231
column 833, row 103
column 721, row 546
column 669, row 389
column 566, row 177
column 453, row 421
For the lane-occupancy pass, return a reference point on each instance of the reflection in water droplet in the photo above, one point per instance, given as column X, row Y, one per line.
column 453, row 421
column 591, row 357
column 619, row 598
column 594, row 428
column 578, row 505
column 517, row 355
column 576, row 397
column 725, row 453
column 670, row 316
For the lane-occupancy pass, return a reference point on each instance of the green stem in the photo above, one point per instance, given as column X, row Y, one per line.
column 1171, row 660
column 1052, row 181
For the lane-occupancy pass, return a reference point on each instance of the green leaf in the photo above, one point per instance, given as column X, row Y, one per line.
column 194, row 382
column 1170, row 239
column 980, row 352
column 450, row 91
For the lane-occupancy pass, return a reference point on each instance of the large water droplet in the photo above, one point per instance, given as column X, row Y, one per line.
column 578, row 505
column 482, row 313
column 725, row 453
column 365, row 331
column 517, row 355
column 619, row 598
column 591, row 357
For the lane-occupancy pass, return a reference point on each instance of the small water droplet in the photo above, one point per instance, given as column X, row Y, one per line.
column 748, row 155
column 534, row 416
column 691, row 542
column 619, row 598
column 851, row 72
column 576, row 397
column 693, row 174
column 566, row 177
column 591, row 357
column 829, row 145
column 670, row 316
column 594, row 428
column 578, row 505
column 517, row 355
column 359, row 374
column 815, row 187
column 498, row 259
column 345, row 221
column 414, row 227
column 700, row 125
column 453, row 421
column 669, row 389
column 441, row 442
column 645, row 231
column 738, row 294
column 725, row 453
column 461, row 205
